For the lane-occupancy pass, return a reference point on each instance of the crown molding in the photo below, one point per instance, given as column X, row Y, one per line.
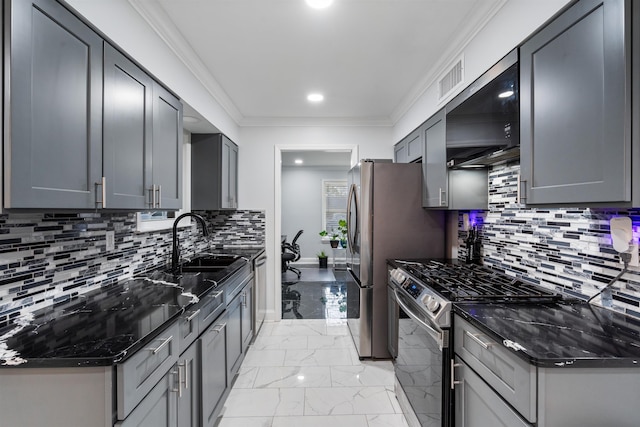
column 315, row 122
column 475, row 23
column 155, row 15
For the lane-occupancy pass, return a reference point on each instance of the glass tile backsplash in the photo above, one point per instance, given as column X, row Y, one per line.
column 50, row 257
column 568, row 250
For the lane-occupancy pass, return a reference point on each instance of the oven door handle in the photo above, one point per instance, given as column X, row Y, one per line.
column 437, row 335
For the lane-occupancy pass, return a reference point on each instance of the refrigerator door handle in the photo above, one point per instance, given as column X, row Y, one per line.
column 352, row 230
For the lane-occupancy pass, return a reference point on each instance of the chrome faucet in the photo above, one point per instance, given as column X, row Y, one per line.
column 175, row 254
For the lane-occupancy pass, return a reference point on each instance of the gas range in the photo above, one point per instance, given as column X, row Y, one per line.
column 435, row 284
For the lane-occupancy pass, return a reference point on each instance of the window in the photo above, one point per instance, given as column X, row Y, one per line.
column 334, row 204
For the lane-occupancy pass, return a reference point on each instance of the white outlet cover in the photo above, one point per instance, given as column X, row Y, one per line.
column 621, row 233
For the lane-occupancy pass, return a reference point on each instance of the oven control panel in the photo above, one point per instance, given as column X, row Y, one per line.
column 430, row 302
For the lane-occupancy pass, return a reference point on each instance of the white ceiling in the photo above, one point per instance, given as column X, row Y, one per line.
column 370, row 58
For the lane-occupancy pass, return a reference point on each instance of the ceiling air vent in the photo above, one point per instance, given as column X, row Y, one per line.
column 450, row 80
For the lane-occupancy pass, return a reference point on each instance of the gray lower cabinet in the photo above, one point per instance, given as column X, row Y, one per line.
column 213, row 361
column 575, row 110
column 247, row 322
column 435, row 188
column 188, row 388
column 234, row 335
column 477, row 405
column 158, row 408
column 214, row 172
column 495, row 387
column 53, row 152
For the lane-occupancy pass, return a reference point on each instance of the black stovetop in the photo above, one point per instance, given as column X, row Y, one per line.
column 460, row 282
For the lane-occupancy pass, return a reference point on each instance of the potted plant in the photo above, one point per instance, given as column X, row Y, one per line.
column 322, row 259
column 333, row 240
column 342, row 228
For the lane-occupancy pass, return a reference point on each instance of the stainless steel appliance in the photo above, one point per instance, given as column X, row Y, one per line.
column 259, row 292
column 421, row 295
column 385, row 219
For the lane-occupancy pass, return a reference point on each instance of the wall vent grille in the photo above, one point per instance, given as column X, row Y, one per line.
column 451, row 80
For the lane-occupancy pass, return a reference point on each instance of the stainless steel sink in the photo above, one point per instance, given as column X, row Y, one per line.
column 210, row 262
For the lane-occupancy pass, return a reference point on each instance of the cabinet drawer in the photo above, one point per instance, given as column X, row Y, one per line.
column 188, row 328
column 139, row 374
column 513, row 378
column 212, row 308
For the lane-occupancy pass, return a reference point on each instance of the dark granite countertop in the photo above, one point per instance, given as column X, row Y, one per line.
column 105, row 326
column 564, row 334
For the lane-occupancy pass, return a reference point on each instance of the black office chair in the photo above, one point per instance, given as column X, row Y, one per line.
column 291, row 253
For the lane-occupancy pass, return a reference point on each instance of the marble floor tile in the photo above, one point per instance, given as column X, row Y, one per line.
column 293, row 376
column 386, row 420
column 347, row 401
column 283, row 342
column 321, row 421
column 329, row 341
column 264, row 357
column 366, row 374
column 306, row 373
column 319, row 357
column 246, row 422
column 266, row 402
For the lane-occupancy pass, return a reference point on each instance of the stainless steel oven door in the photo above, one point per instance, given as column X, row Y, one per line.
column 422, row 365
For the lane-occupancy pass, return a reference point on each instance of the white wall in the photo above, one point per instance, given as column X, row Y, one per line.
column 124, row 26
column 513, row 24
column 302, row 207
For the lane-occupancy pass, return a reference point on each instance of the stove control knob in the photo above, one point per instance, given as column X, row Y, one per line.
column 398, row 276
column 430, row 302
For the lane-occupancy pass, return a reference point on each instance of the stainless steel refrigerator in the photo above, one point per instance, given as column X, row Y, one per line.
column 385, row 219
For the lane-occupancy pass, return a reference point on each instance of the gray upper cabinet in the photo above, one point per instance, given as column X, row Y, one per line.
column 435, row 191
column 53, row 131
column 575, row 77
column 127, row 132
column 86, row 127
column 214, row 172
column 410, row 148
column 167, row 149
column 142, row 138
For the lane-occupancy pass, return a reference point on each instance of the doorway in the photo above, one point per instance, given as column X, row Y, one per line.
column 314, row 159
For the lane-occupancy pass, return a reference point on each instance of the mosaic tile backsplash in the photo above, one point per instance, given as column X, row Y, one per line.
column 50, row 257
column 567, row 250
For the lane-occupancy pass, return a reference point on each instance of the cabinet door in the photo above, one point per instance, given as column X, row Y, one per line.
column 158, row 408
column 415, row 145
column 234, row 335
column 127, row 132
column 167, row 149
column 247, row 316
column 575, row 124
column 188, row 406
column 477, row 405
column 229, row 176
column 53, row 152
column 434, row 163
column 400, row 152
column 213, row 370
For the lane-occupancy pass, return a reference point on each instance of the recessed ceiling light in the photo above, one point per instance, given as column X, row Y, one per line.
column 506, row 94
column 319, row 4
column 298, row 161
column 315, row 97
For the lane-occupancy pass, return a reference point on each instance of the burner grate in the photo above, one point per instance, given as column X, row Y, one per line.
column 470, row 282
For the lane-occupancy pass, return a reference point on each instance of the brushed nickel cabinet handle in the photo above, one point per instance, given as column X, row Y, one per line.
column 161, row 346
column 453, row 374
column 103, row 184
column 193, row 316
column 159, row 199
column 476, row 338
